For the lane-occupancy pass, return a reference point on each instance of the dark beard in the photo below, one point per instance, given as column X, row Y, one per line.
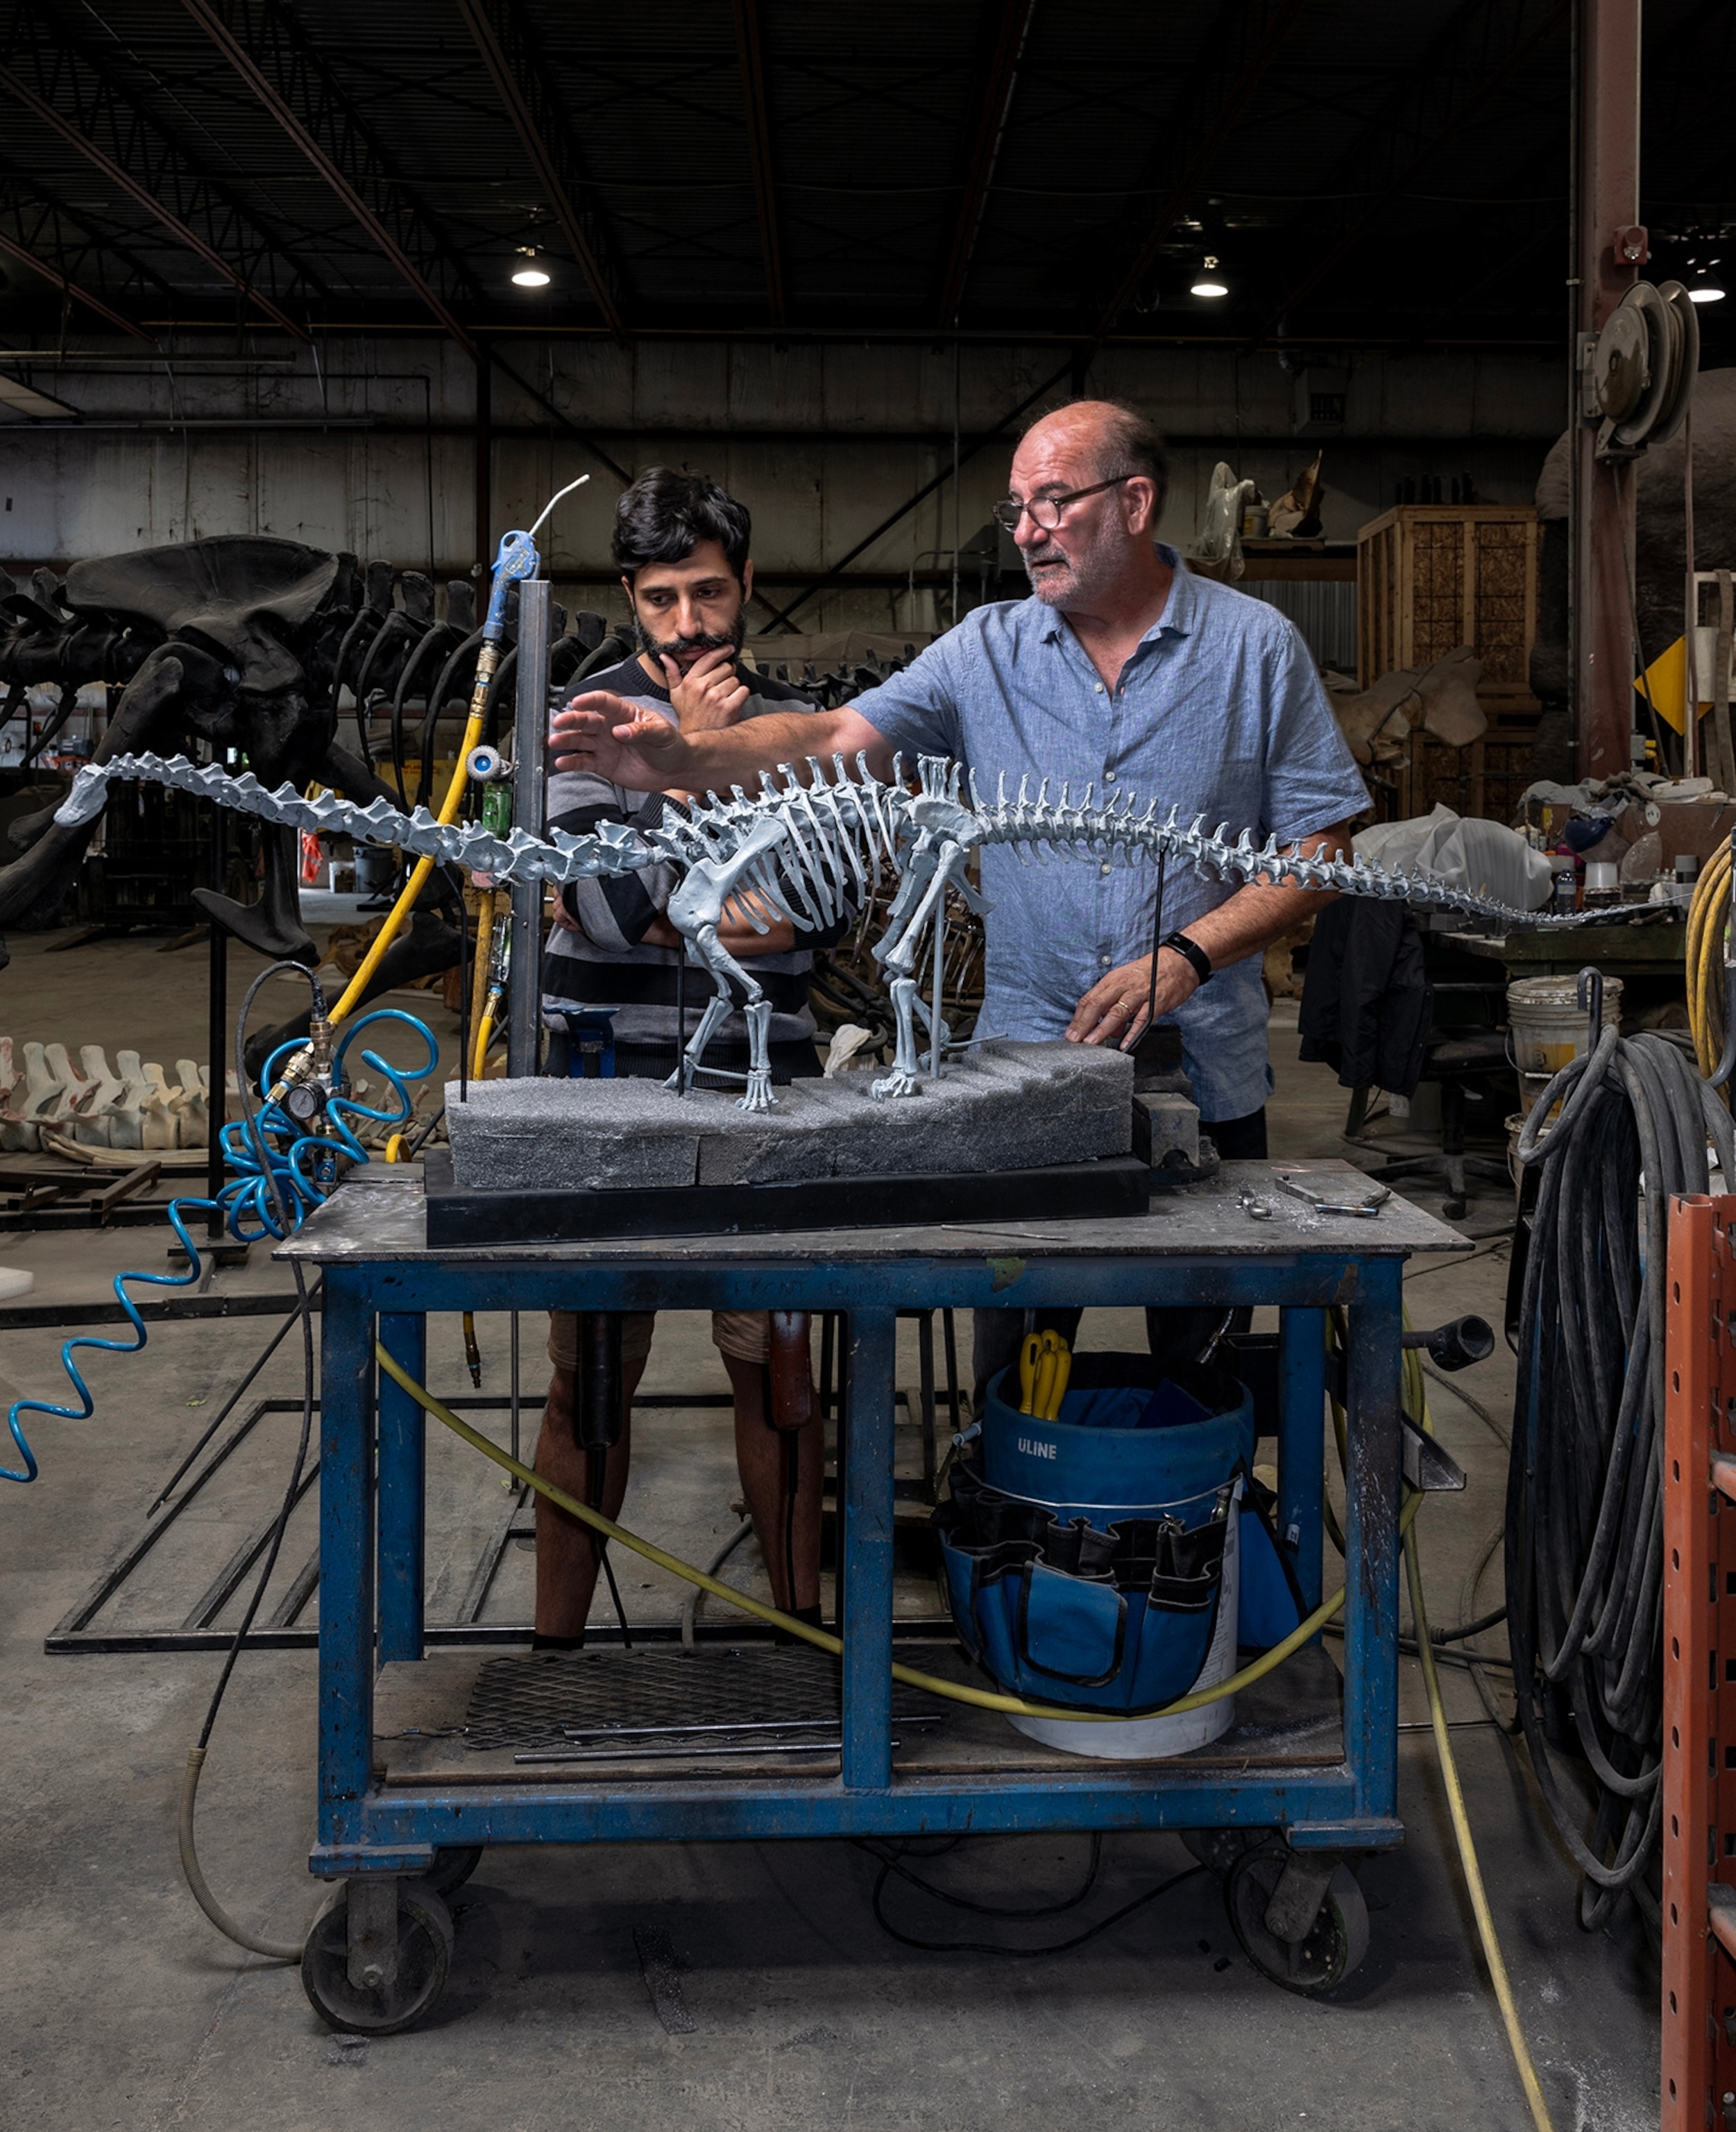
column 673, row 647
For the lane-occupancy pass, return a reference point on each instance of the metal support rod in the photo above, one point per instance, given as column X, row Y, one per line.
column 529, row 747
column 1606, row 195
column 940, row 976
column 217, row 1044
column 514, row 1446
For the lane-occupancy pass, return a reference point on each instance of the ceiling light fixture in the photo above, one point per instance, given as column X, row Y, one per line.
column 1206, row 283
column 529, row 275
column 1707, row 285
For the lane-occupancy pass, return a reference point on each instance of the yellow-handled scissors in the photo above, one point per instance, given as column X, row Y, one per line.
column 1044, row 1365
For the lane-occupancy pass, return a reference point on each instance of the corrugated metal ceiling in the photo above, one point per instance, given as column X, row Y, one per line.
column 1421, row 151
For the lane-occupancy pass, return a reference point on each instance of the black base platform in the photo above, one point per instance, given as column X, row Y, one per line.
column 458, row 1215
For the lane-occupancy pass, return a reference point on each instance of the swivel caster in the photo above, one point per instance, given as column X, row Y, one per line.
column 452, row 1869
column 1334, row 1944
column 1452, row 1210
column 377, row 1957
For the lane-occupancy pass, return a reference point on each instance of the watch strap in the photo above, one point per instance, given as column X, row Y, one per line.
column 1192, row 952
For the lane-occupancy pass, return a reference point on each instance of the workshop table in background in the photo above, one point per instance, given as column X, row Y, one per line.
column 1657, row 950
column 1330, row 1783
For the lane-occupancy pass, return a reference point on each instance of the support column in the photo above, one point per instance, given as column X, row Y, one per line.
column 1609, row 250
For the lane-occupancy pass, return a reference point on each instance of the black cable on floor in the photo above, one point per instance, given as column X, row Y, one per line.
column 256, row 1943
column 892, row 1863
column 286, row 1221
column 1492, row 1619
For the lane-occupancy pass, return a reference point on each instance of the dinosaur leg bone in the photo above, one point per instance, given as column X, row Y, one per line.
column 695, row 910
column 899, row 958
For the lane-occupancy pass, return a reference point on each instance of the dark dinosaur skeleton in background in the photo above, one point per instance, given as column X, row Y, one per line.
column 250, row 643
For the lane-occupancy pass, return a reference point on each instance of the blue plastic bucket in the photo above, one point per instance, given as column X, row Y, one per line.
column 1094, row 1561
column 1132, row 1440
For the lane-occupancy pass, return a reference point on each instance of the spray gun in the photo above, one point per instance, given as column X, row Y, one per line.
column 516, row 560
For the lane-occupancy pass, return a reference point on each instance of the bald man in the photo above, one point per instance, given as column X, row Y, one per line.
column 1123, row 672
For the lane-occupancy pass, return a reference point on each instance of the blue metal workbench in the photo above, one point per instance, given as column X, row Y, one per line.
column 1197, row 1245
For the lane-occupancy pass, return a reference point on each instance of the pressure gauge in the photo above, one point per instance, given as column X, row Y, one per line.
column 304, row 1102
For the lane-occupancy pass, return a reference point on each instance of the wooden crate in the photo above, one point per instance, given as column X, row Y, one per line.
column 1483, row 780
column 1430, row 576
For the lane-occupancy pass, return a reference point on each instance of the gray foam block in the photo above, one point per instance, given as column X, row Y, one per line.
column 1003, row 1107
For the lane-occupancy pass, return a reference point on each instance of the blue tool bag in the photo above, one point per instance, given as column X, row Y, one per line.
column 1085, row 1563
column 1117, row 1619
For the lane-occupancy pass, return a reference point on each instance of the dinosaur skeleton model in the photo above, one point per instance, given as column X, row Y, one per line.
column 808, row 852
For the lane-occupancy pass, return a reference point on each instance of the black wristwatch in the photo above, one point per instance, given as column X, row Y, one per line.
column 1192, row 952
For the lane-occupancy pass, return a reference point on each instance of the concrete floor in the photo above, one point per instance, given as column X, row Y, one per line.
column 124, row 2008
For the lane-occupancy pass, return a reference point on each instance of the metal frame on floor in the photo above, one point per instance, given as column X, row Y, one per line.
column 82, row 1629
column 372, row 1472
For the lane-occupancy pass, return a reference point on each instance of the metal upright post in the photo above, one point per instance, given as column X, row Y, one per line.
column 346, row 1556
column 1698, row 1956
column 529, row 747
column 1610, row 249
column 400, row 1489
column 1371, row 1536
column 217, row 1036
column 1301, row 1444
column 865, row 1550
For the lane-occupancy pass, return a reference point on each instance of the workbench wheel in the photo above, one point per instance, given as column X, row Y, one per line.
column 452, row 1869
column 425, row 1957
column 1336, row 1944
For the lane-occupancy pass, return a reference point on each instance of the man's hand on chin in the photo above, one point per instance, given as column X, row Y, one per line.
column 622, row 742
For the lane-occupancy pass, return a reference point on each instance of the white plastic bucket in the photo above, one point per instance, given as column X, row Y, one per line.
column 1138, row 1739
column 1548, row 1026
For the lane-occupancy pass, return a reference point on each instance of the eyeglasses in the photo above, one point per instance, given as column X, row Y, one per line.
column 1045, row 509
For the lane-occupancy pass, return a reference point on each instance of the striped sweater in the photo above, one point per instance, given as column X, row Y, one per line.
column 608, row 962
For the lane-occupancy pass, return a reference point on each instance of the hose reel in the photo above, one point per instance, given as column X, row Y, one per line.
column 1642, row 369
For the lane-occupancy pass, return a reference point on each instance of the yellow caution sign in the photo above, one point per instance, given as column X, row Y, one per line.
column 1667, row 681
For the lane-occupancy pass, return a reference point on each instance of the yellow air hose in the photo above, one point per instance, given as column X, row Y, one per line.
column 479, row 975
column 488, row 657
column 1707, row 917
column 953, row 1691
column 1521, row 2050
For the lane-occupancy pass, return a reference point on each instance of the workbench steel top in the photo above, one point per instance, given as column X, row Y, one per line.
column 379, row 1215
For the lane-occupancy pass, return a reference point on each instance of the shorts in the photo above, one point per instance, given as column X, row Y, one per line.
column 743, row 1335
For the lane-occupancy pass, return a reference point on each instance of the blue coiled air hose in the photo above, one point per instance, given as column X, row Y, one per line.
column 283, row 1171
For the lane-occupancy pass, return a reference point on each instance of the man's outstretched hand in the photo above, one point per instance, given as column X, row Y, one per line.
column 622, row 742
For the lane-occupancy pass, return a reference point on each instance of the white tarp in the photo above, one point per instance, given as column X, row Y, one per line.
column 1485, row 857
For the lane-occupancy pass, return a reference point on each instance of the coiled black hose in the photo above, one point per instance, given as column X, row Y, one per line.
column 1585, row 1513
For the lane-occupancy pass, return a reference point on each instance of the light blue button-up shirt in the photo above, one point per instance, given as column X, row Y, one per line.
column 1218, row 711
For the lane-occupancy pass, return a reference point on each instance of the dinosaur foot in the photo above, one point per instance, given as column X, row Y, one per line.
column 758, row 1095
column 896, row 1084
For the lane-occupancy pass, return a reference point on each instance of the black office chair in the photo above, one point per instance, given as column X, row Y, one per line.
column 1375, row 1008
column 1454, row 1059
